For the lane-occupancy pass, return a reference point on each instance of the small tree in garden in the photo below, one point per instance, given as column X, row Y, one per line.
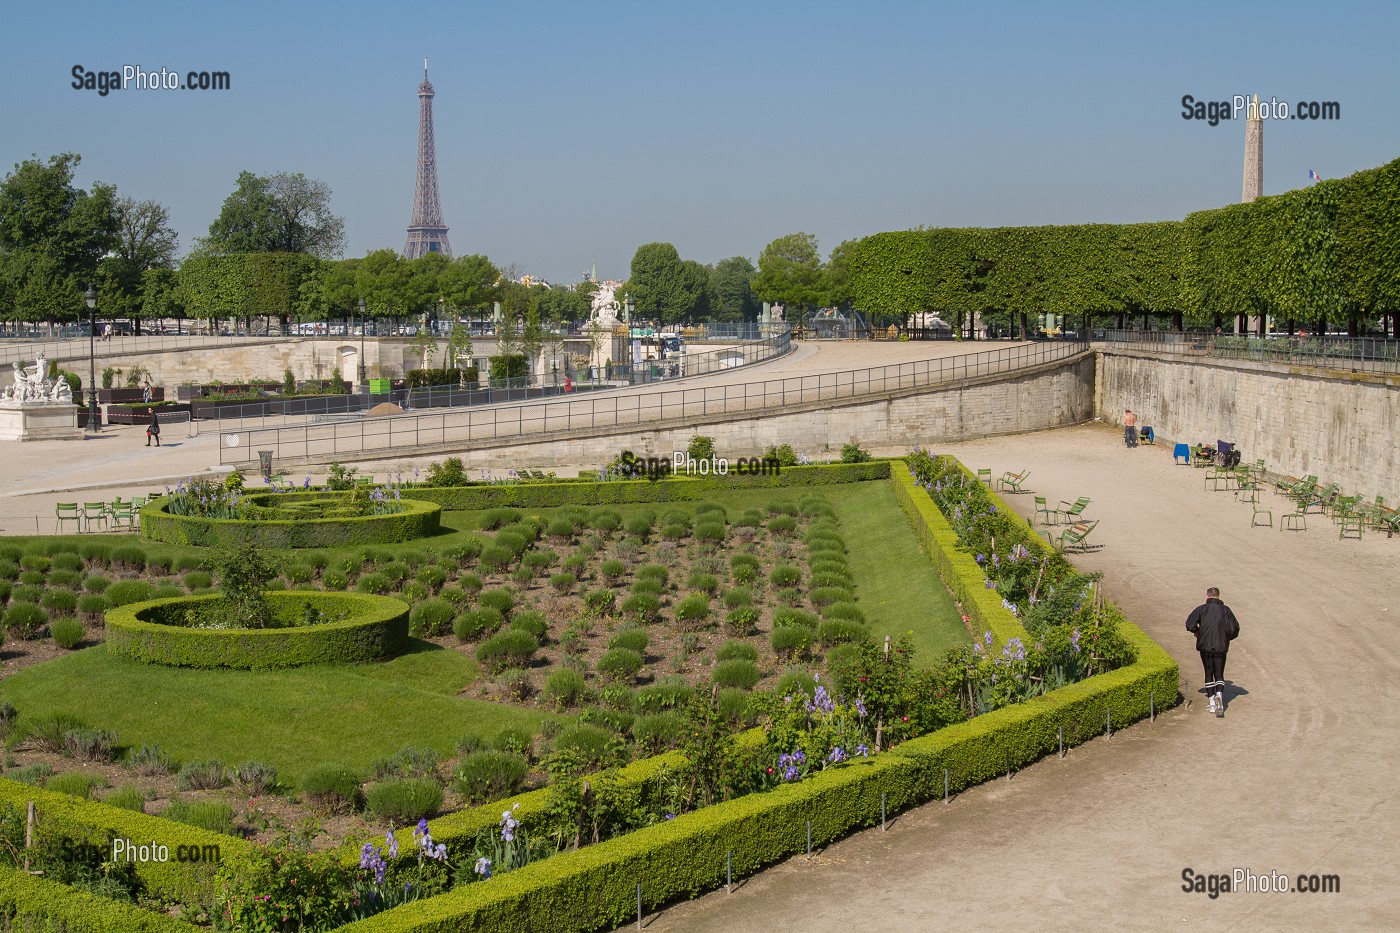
column 243, row 577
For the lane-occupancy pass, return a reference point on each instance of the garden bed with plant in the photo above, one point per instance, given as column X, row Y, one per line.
column 645, row 647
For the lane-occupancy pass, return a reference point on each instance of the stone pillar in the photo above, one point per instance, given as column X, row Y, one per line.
column 1253, row 153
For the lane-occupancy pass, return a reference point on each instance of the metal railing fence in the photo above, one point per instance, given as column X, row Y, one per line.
column 613, row 410
column 1357, row 354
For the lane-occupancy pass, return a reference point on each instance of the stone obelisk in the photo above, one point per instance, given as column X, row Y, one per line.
column 1253, row 153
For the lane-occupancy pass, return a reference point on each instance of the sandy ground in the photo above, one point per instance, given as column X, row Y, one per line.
column 1296, row 778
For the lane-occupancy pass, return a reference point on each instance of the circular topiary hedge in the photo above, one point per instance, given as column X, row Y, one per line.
column 362, row 628
column 296, row 526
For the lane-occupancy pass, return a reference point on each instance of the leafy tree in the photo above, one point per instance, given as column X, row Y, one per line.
column 663, row 287
column 790, row 271
column 52, row 236
column 837, row 275
column 468, row 283
column 282, row 213
column 389, row 284
column 144, row 242
column 731, row 290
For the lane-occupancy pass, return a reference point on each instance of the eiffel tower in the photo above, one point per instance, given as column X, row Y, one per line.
column 426, row 231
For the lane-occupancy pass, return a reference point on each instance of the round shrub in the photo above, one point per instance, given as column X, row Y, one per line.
column 67, row 632
column 363, row 628
column 470, row 583
column 641, row 607
column 794, row 680
column 830, row 573
column 742, row 621
column 464, row 552
column 751, row 518
column 159, row 563
column 648, row 588
column 198, row 579
column 693, row 612
column 72, row 579
column 738, row 672
column 514, row 739
column 709, row 531
column 502, row 600
column 92, row 605
column 126, row 798
column 844, row 610
column 25, row 620
column 782, row 524
column 593, row 746
column 203, row 775
column 841, row 631
column 736, row 650
column 59, row 600
column 668, row 694
column 576, row 564
column 600, row 601
column 565, row 688
column 638, row 525
column 788, row 596
column 791, row 640
column 510, row 648
column 560, row 530
column 125, row 592
column 706, row 583
column 26, row 594
column 531, row 621
column 430, row 618
column 477, row 623
column 539, row 561
column 432, row 576
column 484, row 776
column 334, row 579
column 785, row 575
column 96, row 583
column 35, row 562
column 633, row 638
column 454, row 594
column 330, row 788
column 374, row 583
column 612, row 570
column 404, row 801
column 605, row 521
column 9, row 570
column 843, row 656
column 738, row 596
column 656, row 732
column 66, row 560
column 495, row 518
column 495, row 558
column 128, row 557
column 826, row 595
column 185, row 562
column 562, row 583
column 98, row 552
column 169, row 591
column 777, row 507
column 32, row 577
column 653, row 573
column 620, row 663
column 4, row 591
column 298, row 573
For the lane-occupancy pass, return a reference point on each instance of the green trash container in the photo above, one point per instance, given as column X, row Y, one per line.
column 380, row 386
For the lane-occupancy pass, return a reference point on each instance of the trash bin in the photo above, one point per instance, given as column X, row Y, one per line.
column 265, row 463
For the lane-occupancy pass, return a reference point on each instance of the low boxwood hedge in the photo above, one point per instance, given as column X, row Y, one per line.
column 367, row 628
column 90, row 821
column 37, row 905
column 419, row 519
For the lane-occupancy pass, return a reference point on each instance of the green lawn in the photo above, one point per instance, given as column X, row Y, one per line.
column 896, row 583
column 290, row 719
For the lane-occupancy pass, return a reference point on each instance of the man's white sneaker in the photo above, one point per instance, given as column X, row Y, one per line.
column 1210, row 703
column 1220, row 704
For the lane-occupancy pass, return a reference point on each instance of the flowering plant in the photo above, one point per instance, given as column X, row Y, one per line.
column 807, row 732
column 505, row 848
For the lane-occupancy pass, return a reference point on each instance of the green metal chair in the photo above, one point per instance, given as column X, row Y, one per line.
column 1012, row 481
column 67, row 512
column 984, row 475
column 1072, row 510
column 1293, row 521
column 1350, row 523
column 1077, row 536
column 1260, row 510
column 1041, row 508
column 94, row 513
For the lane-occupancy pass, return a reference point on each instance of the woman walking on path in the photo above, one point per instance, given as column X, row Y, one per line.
column 152, row 428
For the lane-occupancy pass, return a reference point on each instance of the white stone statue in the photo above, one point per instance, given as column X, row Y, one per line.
column 34, row 386
column 605, row 306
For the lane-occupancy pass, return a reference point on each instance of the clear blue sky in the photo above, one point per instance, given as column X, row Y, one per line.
column 569, row 132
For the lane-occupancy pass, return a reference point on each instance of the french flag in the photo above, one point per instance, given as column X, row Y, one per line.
column 1314, row 176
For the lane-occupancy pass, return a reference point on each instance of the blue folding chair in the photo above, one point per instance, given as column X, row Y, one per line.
column 1181, row 453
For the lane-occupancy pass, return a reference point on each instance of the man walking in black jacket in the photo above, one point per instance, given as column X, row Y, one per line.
column 1214, row 626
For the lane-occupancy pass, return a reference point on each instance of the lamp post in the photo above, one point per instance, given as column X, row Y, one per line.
column 627, row 310
column 94, row 419
column 362, row 342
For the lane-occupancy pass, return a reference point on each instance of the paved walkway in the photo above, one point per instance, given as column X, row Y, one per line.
column 1298, row 777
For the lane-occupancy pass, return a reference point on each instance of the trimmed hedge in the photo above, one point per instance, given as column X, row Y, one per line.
column 376, row 626
column 37, row 905
column 420, row 519
column 671, row 489
column 88, row 820
column 955, row 563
